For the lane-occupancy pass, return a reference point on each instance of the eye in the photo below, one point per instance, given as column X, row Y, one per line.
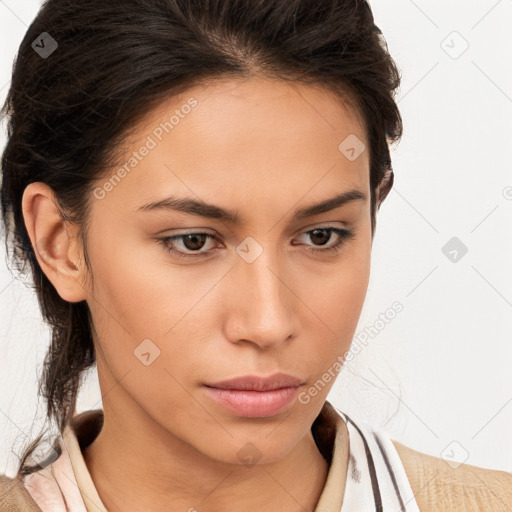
column 191, row 241
column 195, row 241
column 324, row 234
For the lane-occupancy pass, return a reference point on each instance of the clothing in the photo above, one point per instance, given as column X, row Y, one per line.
column 375, row 481
column 376, row 474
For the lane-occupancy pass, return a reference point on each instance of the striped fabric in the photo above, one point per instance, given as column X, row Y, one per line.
column 376, row 479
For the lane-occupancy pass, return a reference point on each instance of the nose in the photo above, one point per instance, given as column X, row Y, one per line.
column 261, row 304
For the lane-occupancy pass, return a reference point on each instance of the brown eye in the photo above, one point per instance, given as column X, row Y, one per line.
column 321, row 236
column 192, row 242
column 195, row 241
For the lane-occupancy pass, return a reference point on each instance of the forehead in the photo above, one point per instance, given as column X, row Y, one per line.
column 261, row 103
column 247, row 138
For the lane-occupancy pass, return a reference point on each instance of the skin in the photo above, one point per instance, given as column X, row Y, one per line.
column 262, row 148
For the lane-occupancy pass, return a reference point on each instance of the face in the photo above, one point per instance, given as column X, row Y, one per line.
column 182, row 299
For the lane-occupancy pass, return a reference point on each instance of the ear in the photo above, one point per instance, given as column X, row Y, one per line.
column 385, row 186
column 54, row 242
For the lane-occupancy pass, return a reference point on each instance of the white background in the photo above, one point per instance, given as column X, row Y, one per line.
column 438, row 376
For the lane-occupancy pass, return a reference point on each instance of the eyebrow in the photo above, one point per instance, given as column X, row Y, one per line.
column 202, row 209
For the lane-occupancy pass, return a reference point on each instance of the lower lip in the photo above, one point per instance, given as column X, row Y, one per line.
column 253, row 404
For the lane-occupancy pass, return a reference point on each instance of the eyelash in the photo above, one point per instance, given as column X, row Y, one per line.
column 343, row 234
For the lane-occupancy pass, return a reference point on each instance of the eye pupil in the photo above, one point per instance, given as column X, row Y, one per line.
column 194, row 237
column 326, row 235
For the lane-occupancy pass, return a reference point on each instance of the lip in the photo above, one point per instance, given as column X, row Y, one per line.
column 255, row 397
column 255, row 383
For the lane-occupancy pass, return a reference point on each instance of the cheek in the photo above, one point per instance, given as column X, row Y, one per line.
column 142, row 309
column 337, row 304
column 129, row 282
column 338, row 293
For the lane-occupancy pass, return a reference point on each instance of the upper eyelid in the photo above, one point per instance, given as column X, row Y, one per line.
column 215, row 237
column 201, row 231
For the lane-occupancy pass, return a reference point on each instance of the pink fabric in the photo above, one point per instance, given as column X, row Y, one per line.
column 49, row 486
column 65, row 485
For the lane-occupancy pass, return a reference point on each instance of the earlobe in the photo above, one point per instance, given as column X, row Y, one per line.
column 54, row 242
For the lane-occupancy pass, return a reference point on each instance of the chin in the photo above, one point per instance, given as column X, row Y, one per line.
column 247, row 451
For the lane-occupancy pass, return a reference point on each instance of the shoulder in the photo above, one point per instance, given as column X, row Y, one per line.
column 439, row 486
column 14, row 497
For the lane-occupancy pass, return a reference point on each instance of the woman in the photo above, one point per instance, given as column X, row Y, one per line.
column 195, row 186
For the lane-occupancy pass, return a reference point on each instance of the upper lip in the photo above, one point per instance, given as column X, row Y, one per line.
column 255, row 383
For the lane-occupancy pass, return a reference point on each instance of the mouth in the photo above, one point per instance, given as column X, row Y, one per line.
column 255, row 383
column 255, row 397
column 253, row 404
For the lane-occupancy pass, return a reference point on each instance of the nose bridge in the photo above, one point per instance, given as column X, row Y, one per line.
column 265, row 283
column 263, row 306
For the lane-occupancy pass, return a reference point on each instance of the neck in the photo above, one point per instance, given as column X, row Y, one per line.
column 164, row 473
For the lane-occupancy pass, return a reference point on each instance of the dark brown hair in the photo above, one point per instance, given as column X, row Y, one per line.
column 69, row 112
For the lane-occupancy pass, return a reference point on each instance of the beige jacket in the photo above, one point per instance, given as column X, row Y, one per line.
column 439, row 487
